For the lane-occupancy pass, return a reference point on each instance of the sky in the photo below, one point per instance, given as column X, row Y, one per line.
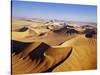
column 68, row 12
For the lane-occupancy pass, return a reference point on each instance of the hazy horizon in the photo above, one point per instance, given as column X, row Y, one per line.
column 68, row 12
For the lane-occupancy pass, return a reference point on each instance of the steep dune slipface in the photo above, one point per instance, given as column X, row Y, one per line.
column 24, row 53
column 83, row 56
column 39, row 57
column 18, row 47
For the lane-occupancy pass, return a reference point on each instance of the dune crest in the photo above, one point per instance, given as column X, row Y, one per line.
column 83, row 56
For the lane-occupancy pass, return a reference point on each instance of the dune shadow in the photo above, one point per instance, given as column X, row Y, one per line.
column 17, row 46
column 51, row 69
column 38, row 52
column 23, row 29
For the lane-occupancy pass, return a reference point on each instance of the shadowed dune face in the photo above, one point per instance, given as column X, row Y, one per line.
column 90, row 33
column 39, row 51
column 52, row 68
column 18, row 47
column 39, row 56
column 67, row 30
column 23, row 29
column 71, row 31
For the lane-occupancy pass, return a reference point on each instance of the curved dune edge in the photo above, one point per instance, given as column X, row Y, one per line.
column 21, row 63
column 25, row 36
column 83, row 56
column 51, row 38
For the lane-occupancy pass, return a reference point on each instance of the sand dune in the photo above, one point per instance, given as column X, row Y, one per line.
column 25, row 36
column 51, row 38
column 83, row 56
column 22, row 63
column 36, row 48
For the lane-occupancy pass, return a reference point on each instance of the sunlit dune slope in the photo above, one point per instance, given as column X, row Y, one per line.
column 83, row 56
column 25, row 36
column 55, row 39
column 51, row 38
